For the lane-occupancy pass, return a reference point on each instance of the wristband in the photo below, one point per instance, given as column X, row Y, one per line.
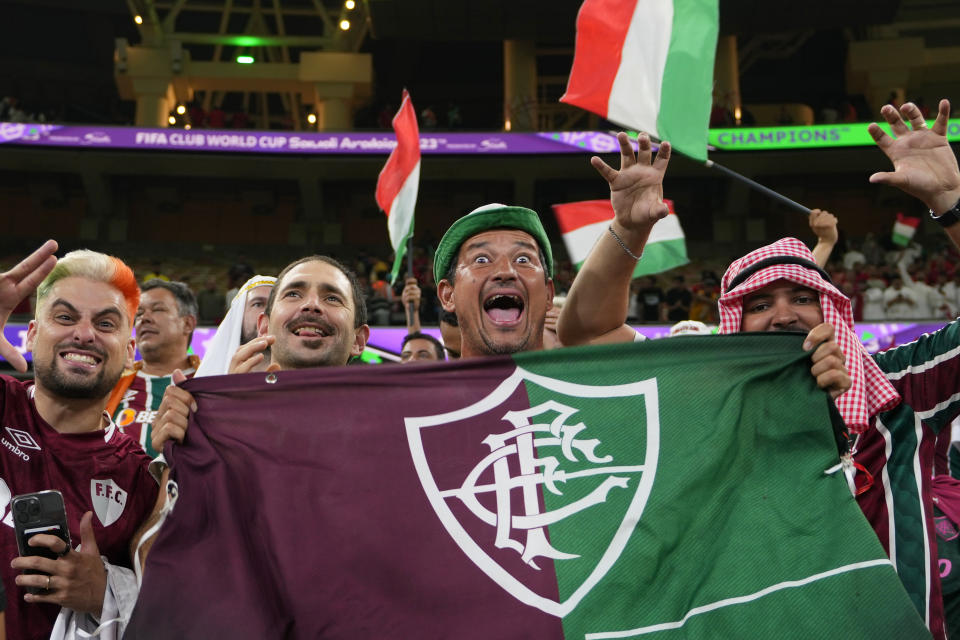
column 949, row 217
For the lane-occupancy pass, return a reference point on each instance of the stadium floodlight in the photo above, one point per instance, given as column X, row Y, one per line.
column 350, row 4
column 138, row 19
column 345, row 25
column 172, row 120
column 312, row 118
column 181, row 109
column 245, row 59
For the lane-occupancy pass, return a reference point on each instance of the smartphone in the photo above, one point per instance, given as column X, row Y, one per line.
column 41, row 512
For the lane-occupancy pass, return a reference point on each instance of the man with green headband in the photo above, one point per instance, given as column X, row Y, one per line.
column 493, row 268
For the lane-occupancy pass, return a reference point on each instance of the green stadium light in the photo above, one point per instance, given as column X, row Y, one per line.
column 245, row 59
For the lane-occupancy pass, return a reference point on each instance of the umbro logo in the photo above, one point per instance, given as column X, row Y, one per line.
column 23, row 439
column 19, row 440
column 129, row 395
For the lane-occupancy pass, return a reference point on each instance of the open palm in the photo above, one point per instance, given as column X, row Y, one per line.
column 636, row 190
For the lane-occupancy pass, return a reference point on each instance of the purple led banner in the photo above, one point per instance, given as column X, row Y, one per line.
column 277, row 142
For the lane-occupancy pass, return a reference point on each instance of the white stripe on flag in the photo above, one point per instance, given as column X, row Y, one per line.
column 401, row 209
column 580, row 241
column 635, row 95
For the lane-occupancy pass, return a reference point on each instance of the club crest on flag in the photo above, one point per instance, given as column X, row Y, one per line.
column 108, row 500
column 530, row 472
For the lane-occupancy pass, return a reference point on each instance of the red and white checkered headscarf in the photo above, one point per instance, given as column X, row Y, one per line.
column 870, row 392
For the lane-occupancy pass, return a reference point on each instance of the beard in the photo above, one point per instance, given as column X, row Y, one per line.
column 66, row 385
column 331, row 351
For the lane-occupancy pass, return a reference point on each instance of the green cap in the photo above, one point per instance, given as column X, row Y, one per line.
column 485, row 218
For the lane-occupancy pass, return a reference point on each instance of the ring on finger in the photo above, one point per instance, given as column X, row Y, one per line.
column 48, row 583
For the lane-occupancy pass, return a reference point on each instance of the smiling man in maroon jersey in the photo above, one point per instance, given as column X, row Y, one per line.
column 56, row 435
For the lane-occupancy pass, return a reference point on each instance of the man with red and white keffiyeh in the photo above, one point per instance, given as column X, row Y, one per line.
column 898, row 400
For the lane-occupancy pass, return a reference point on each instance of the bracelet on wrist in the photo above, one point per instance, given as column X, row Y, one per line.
column 623, row 245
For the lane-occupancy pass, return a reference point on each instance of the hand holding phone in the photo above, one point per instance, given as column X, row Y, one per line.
column 39, row 513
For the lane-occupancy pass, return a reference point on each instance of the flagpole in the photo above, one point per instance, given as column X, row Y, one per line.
column 410, row 310
column 779, row 197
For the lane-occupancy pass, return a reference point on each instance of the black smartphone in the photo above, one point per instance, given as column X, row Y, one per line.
column 41, row 512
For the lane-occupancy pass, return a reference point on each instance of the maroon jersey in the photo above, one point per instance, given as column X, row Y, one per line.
column 101, row 471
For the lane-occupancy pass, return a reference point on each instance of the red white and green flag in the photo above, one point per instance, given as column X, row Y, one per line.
column 904, row 229
column 399, row 180
column 573, row 493
column 648, row 65
column 582, row 223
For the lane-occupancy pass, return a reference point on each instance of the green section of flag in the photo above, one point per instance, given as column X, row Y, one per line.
column 687, row 88
column 743, row 535
column 662, row 256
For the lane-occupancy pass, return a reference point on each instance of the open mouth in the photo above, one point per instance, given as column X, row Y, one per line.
column 310, row 331
column 81, row 359
column 503, row 308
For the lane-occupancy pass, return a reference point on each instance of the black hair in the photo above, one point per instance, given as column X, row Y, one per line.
column 417, row 335
column 359, row 302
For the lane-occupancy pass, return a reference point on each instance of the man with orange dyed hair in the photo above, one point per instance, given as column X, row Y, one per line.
column 56, row 436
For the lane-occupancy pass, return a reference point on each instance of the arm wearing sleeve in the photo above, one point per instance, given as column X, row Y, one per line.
column 925, row 373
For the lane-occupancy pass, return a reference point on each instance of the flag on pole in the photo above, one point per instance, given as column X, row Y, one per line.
column 904, row 228
column 582, row 223
column 652, row 490
column 648, row 65
column 399, row 180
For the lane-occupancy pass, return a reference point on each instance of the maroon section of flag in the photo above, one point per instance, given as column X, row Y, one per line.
column 300, row 514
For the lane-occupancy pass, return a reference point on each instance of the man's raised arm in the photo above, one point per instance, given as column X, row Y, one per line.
column 596, row 305
column 924, row 165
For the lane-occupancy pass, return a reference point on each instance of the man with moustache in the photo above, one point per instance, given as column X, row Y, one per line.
column 493, row 267
column 164, row 328
column 900, row 399
column 58, row 437
column 315, row 317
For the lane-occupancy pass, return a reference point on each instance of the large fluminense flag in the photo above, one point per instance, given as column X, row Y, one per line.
column 656, row 490
column 581, row 223
column 648, row 64
column 399, row 180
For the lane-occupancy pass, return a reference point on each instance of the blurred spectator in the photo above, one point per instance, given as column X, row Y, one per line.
column 899, row 302
column 198, row 117
column 650, row 299
column 871, row 249
column 428, row 118
column 454, row 120
column 873, row 307
column 155, row 273
column 678, row 300
column 217, row 118
column 379, row 302
column 210, row 303
column 852, row 257
column 703, row 307
column 240, row 120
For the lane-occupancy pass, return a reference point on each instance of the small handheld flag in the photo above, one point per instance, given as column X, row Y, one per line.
column 399, row 180
column 581, row 223
column 904, row 228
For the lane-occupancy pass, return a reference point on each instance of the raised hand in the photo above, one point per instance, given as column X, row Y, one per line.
column 17, row 284
column 923, row 162
column 636, row 190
